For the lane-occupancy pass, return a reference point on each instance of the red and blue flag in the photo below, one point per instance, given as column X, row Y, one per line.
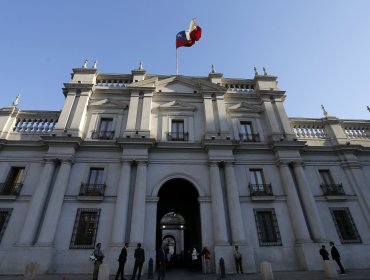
column 188, row 37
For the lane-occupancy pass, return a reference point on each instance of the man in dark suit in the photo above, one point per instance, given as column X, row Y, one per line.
column 162, row 258
column 336, row 256
column 139, row 261
column 122, row 260
column 324, row 254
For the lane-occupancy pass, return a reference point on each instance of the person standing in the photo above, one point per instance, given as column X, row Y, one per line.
column 194, row 259
column 206, row 258
column 324, row 254
column 336, row 256
column 121, row 261
column 238, row 260
column 98, row 253
column 139, row 256
column 162, row 259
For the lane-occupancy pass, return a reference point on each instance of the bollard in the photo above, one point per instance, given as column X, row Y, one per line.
column 266, row 271
column 222, row 269
column 150, row 269
column 330, row 270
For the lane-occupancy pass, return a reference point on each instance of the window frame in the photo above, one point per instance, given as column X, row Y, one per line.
column 351, row 224
column 79, row 213
column 14, row 178
column 260, row 228
column 8, row 212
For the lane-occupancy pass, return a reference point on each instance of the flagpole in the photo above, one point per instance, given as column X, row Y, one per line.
column 177, row 62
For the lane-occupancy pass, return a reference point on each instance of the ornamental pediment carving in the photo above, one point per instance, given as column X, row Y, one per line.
column 187, row 85
column 176, row 106
column 151, row 82
column 108, row 103
column 243, row 107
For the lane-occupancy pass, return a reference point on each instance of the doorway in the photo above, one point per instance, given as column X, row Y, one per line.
column 178, row 221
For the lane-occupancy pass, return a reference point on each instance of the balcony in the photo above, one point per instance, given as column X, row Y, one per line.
column 333, row 191
column 102, row 135
column 10, row 189
column 249, row 137
column 177, row 136
column 95, row 190
column 261, row 192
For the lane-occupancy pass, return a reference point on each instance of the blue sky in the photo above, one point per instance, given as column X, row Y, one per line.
column 320, row 50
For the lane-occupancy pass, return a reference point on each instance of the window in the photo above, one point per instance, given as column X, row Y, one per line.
column 4, row 219
column 246, row 132
column 267, row 227
column 94, row 185
column 328, row 185
column 257, row 183
column 85, row 228
column 13, row 183
column 346, row 228
column 177, row 131
column 105, row 129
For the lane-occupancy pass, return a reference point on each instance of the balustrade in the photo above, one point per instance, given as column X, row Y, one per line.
column 249, row 137
column 332, row 189
column 102, row 135
column 177, row 136
column 92, row 189
column 35, row 125
column 240, row 87
column 307, row 131
column 112, row 83
column 357, row 132
column 260, row 189
column 10, row 188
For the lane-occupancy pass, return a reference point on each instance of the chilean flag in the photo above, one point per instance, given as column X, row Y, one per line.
column 188, row 38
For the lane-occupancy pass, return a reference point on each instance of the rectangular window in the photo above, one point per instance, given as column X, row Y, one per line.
column 94, row 185
column 105, row 130
column 246, row 132
column 326, row 177
column 267, row 227
column 177, row 131
column 13, row 183
column 328, row 185
column 346, row 228
column 4, row 219
column 85, row 228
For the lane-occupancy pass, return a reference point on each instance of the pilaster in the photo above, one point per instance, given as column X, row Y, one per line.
column 54, row 207
column 138, row 207
column 121, row 207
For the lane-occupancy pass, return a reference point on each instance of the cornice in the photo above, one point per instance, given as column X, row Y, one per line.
column 136, row 142
column 61, row 141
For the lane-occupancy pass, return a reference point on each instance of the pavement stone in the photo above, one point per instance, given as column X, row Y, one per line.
column 186, row 275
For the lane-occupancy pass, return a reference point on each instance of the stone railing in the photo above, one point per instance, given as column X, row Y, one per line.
column 36, row 122
column 308, row 129
column 240, row 87
column 113, row 80
column 357, row 131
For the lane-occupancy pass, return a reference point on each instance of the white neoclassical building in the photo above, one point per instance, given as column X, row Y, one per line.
column 189, row 161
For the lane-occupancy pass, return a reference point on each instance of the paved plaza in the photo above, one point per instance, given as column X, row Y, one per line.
column 182, row 275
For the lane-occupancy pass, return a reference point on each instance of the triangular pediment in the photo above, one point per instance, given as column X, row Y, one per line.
column 176, row 106
column 245, row 108
column 151, row 82
column 182, row 84
column 109, row 103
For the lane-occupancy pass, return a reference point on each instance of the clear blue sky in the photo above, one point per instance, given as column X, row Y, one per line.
column 320, row 50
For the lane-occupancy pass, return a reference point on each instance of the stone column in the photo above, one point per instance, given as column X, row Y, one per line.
column 271, row 118
column 236, row 219
column 65, row 114
column 309, row 204
column 55, row 204
column 121, row 207
column 36, row 206
column 218, row 209
column 295, row 211
column 146, row 112
column 138, row 207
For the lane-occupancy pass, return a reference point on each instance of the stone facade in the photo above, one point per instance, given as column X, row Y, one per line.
column 277, row 187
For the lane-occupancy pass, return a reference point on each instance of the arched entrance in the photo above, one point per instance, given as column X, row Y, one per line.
column 178, row 217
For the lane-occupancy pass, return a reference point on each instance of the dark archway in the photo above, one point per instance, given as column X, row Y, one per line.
column 180, row 196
